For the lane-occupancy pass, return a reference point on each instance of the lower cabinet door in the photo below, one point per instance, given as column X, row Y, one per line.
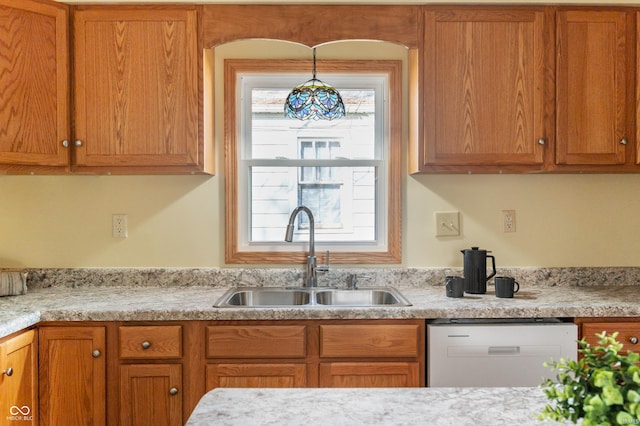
column 256, row 376
column 72, row 376
column 19, row 380
column 151, row 394
column 369, row 374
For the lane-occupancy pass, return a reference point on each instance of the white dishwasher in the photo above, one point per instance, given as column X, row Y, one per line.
column 496, row 353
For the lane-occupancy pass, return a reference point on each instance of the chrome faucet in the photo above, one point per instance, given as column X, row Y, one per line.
column 311, row 279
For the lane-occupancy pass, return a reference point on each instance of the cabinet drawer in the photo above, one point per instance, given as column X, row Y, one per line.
column 628, row 333
column 248, row 375
column 157, row 342
column 369, row 341
column 268, row 341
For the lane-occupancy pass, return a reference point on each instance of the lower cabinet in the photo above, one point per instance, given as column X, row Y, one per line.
column 371, row 354
column 369, row 374
column 72, row 375
column 325, row 353
column 154, row 373
column 628, row 329
column 19, row 379
column 256, row 375
column 151, row 394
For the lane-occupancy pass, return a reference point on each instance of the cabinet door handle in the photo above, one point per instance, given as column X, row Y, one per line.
column 146, row 344
column 96, row 353
column 65, row 143
column 542, row 141
column 78, row 143
column 623, row 141
column 633, row 340
column 8, row 372
column 173, row 391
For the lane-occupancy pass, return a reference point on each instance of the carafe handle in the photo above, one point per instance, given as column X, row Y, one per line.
column 493, row 266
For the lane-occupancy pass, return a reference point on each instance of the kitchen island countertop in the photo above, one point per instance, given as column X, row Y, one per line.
column 147, row 303
column 382, row 406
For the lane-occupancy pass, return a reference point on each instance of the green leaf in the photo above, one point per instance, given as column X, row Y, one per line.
column 603, row 379
column 612, row 395
column 633, row 396
column 624, row 418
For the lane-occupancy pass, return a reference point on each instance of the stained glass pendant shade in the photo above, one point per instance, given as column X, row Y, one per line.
column 314, row 99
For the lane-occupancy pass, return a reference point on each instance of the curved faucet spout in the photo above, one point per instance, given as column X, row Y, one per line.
column 291, row 226
column 311, row 279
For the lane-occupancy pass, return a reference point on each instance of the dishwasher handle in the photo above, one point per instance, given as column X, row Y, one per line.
column 503, row 350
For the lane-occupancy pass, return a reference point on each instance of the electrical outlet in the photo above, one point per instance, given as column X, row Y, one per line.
column 119, row 226
column 509, row 220
column 447, row 224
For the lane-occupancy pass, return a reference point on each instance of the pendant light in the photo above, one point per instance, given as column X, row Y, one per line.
column 314, row 99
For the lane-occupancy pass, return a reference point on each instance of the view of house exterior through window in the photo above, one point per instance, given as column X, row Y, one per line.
column 329, row 166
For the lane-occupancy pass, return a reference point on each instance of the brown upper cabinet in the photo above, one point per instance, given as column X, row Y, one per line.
column 34, row 86
column 521, row 89
column 594, row 88
column 136, row 90
column 486, row 85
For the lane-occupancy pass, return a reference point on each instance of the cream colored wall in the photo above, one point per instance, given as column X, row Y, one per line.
column 177, row 221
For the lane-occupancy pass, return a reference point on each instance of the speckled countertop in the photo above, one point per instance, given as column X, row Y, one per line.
column 390, row 406
column 155, row 295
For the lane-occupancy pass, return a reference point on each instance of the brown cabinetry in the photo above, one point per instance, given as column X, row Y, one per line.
column 34, row 86
column 628, row 329
column 370, row 355
column 315, row 353
column 485, row 78
column 150, row 392
column 594, row 102
column 248, row 355
column 19, row 379
column 72, row 375
column 136, row 90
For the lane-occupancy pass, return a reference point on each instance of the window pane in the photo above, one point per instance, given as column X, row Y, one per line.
column 275, row 136
column 344, row 209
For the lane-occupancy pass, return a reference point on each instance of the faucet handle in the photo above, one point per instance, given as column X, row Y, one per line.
column 325, row 267
column 352, row 281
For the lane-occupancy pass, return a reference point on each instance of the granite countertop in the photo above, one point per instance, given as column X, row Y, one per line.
column 371, row 406
column 165, row 303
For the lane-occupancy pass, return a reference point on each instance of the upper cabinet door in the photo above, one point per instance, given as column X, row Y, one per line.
column 592, row 80
column 136, row 89
column 34, row 85
column 484, row 79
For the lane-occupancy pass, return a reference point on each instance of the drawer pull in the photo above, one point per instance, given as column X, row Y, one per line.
column 173, row 391
column 633, row 340
column 96, row 353
column 146, row 344
column 8, row 372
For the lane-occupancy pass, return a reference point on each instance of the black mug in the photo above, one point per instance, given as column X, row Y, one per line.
column 506, row 286
column 454, row 286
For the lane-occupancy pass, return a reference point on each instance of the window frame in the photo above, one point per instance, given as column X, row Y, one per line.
column 393, row 69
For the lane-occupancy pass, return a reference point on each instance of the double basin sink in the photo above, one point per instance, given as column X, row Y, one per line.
column 274, row 297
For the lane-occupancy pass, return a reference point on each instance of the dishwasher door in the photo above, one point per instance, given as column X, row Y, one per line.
column 496, row 353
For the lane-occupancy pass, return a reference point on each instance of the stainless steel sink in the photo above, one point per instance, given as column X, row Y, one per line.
column 264, row 297
column 362, row 297
column 272, row 297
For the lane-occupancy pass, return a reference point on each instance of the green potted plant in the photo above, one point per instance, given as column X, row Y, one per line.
column 601, row 388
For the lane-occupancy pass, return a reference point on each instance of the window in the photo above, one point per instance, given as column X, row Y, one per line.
column 346, row 171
